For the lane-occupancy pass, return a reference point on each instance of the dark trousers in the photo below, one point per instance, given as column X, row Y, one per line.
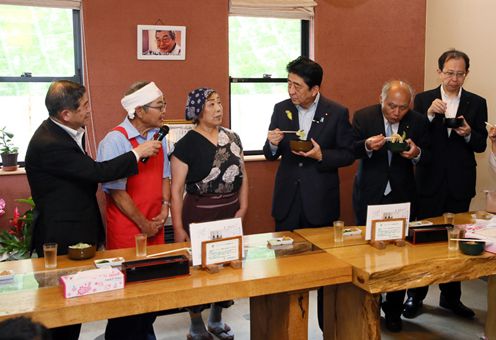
column 432, row 206
column 296, row 218
column 134, row 327
column 70, row 332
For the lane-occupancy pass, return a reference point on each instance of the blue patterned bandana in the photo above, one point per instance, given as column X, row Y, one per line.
column 196, row 102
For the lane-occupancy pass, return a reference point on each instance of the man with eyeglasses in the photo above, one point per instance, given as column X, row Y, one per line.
column 448, row 183
column 166, row 44
column 384, row 177
column 139, row 203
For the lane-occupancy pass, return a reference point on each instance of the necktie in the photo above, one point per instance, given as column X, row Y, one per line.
column 389, row 132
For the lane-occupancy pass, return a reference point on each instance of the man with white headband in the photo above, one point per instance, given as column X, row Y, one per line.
column 139, row 203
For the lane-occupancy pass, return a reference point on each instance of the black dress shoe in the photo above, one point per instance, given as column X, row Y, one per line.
column 411, row 308
column 393, row 323
column 457, row 307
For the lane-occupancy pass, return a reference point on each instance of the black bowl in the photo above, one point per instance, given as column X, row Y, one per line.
column 397, row 146
column 453, row 122
column 472, row 247
column 300, row 145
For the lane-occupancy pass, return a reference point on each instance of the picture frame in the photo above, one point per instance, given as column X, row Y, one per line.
column 222, row 250
column 159, row 42
column 388, row 229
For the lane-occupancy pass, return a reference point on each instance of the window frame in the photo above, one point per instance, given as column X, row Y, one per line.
column 78, row 63
column 305, row 51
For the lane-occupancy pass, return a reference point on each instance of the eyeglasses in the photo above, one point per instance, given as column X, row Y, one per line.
column 160, row 107
column 451, row 74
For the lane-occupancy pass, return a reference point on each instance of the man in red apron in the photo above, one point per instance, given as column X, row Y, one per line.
column 140, row 203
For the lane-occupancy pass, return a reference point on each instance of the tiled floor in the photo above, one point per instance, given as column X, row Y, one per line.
column 434, row 323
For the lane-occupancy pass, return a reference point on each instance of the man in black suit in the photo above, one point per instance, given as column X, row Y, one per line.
column 64, row 179
column 448, row 184
column 306, row 192
column 385, row 177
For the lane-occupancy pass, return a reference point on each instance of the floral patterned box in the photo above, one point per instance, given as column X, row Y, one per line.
column 91, row 281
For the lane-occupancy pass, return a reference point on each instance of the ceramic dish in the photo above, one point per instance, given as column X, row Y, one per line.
column 397, row 147
column 7, row 276
column 453, row 122
column 112, row 262
column 300, row 145
column 79, row 252
column 472, row 247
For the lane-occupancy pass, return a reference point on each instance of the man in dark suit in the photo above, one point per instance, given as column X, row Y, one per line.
column 64, row 179
column 385, row 177
column 306, row 192
column 448, row 184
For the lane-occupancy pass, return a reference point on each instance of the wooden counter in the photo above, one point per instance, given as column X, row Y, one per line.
column 276, row 281
column 394, row 268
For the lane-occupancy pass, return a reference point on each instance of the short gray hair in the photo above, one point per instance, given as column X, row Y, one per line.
column 389, row 84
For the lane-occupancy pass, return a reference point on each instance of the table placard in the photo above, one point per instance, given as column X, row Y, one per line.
column 388, row 229
column 213, row 230
column 220, row 251
column 385, row 212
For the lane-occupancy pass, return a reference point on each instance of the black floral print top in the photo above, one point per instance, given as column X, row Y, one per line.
column 212, row 169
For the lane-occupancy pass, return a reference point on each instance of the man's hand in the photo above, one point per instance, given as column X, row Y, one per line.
column 465, row 129
column 492, row 134
column 315, row 152
column 375, row 143
column 275, row 136
column 437, row 106
column 413, row 152
column 150, row 228
column 148, row 148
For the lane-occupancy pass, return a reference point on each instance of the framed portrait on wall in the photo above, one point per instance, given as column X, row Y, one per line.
column 161, row 42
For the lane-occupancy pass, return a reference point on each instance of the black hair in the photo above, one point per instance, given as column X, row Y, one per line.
column 307, row 69
column 453, row 54
column 22, row 328
column 63, row 95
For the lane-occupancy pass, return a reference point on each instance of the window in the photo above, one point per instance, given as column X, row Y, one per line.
column 259, row 50
column 37, row 46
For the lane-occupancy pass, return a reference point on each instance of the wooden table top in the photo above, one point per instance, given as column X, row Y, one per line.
column 396, row 268
column 265, row 271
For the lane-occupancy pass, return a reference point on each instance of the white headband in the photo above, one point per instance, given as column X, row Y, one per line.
column 143, row 96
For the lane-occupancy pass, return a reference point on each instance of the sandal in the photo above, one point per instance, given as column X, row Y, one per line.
column 222, row 333
column 201, row 336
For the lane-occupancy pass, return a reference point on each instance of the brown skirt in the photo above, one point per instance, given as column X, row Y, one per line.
column 205, row 208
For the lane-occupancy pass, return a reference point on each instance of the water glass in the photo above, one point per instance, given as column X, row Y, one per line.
column 50, row 255
column 338, row 231
column 140, row 244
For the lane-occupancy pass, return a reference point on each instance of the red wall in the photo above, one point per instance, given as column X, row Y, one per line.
column 359, row 43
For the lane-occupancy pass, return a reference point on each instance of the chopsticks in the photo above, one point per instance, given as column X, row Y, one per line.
column 470, row 239
column 167, row 252
column 290, row 131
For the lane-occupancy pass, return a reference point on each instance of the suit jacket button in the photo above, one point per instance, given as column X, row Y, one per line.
column 300, row 164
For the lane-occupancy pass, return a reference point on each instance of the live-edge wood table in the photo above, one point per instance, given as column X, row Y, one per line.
column 354, row 312
column 277, row 281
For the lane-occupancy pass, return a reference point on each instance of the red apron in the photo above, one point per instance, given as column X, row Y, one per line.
column 145, row 189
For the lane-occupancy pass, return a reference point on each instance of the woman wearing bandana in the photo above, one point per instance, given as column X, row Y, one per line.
column 208, row 163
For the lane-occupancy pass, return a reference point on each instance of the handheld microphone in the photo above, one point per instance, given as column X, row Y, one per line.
column 160, row 135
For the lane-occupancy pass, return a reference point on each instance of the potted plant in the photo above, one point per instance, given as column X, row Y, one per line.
column 8, row 151
column 15, row 243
